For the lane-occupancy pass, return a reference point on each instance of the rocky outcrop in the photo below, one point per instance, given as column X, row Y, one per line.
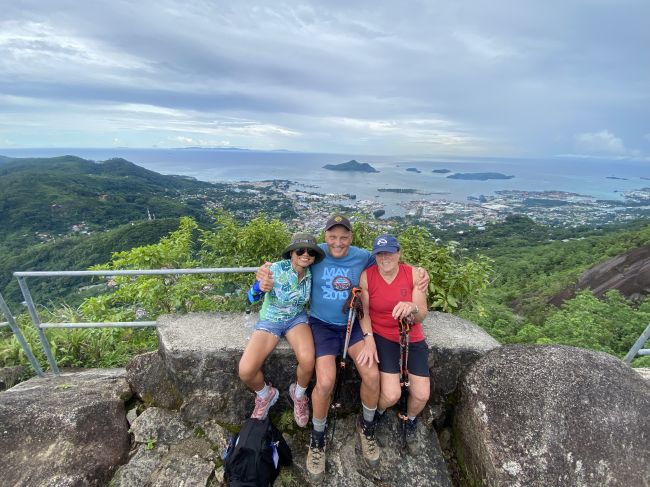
column 72, row 430
column 200, row 351
column 69, row 430
column 151, row 381
column 166, row 449
column 346, row 468
column 629, row 273
column 454, row 345
column 553, row 416
column 9, row 376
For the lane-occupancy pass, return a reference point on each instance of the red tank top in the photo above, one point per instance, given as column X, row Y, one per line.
column 384, row 297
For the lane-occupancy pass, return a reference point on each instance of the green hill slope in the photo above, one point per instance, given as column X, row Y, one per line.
column 74, row 253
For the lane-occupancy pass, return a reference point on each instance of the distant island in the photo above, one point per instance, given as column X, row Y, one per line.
column 479, row 176
column 441, row 171
column 397, row 190
column 615, row 177
column 351, row 166
column 413, row 169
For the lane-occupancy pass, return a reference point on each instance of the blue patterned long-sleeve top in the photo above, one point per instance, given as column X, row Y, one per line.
column 288, row 296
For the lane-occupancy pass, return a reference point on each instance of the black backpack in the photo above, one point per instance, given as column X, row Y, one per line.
column 253, row 457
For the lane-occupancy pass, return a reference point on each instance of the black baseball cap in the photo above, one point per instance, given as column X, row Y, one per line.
column 338, row 220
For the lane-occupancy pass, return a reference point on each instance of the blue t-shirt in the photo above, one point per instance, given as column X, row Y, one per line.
column 332, row 280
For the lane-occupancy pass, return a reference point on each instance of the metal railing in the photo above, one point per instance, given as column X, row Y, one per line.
column 11, row 322
column 636, row 348
column 31, row 307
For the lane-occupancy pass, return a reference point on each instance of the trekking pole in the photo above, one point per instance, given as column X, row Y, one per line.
column 352, row 304
column 404, row 340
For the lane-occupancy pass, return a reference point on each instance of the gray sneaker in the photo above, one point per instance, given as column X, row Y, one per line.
column 316, row 455
column 369, row 447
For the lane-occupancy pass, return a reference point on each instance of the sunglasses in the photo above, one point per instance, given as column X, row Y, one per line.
column 310, row 252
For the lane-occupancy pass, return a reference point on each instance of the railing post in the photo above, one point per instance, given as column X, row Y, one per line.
column 4, row 309
column 37, row 323
column 645, row 336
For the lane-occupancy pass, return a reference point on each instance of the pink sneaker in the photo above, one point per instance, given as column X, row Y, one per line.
column 262, row 406
column 300, row 407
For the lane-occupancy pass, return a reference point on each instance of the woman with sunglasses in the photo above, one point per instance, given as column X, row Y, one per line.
column 283, row 314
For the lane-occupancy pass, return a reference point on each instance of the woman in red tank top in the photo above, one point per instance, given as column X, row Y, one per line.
column 388, row 294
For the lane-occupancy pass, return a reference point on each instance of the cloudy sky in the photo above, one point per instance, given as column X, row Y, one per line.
column 445, row 77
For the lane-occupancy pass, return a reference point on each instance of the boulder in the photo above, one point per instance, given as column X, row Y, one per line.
column 157, row 425
column 167, row 449
column 69, row 430
column 10, row 376
column 643, row 372
column 553, row 415
column 629, row 273
column 345, row 466
column 151, row 383
column 454, row 345
column 164, row 466
column 201, row 352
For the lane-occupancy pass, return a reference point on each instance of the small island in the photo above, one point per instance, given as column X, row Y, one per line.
column 615, row 177
column 398, row 190
column 413, row 169
column 479, row 176
column 351, row 166
column 441, row 171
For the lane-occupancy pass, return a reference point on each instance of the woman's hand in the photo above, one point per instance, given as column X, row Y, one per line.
column 404, row 309
column 423, row 279
column 265, row 277
column 368, row 354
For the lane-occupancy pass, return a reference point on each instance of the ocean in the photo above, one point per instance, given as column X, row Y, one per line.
column 600, row 179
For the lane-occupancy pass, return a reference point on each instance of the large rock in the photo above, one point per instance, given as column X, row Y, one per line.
column 151, row 382
column 167, row 449
column 69, row 430
column 345, row 466
column 10, row 376
column 553, row 416
column 201, row 352
column 454, row 345
column 629, row 273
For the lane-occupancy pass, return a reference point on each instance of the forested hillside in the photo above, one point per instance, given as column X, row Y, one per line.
column 502, row 277
column 58, row 213
column 46, row 198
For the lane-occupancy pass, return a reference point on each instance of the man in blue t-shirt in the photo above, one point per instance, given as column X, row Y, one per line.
column 332, row 280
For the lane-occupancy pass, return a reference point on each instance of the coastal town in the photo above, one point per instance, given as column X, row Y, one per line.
column 557, row 208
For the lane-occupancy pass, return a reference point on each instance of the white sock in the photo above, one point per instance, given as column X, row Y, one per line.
column 263, row 392
column 368, row 413
column 300, row 391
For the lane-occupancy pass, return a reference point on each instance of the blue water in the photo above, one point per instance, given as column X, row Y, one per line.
column 586, row 177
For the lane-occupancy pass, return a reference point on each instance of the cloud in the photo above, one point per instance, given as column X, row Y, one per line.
column 603, row 142
column 495, row 79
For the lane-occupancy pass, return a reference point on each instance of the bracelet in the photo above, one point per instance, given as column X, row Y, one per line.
column 417, row 310
column 368, row 333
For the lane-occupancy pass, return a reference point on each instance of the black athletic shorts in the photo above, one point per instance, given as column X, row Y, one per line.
column 418, row 363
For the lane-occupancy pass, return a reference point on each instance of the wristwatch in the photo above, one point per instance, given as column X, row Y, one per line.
column 417, row 310
column 368, row 333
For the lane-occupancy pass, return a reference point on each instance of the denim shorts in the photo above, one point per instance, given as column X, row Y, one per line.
column 280, row 328
column 389, row 352
column 329, row 339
